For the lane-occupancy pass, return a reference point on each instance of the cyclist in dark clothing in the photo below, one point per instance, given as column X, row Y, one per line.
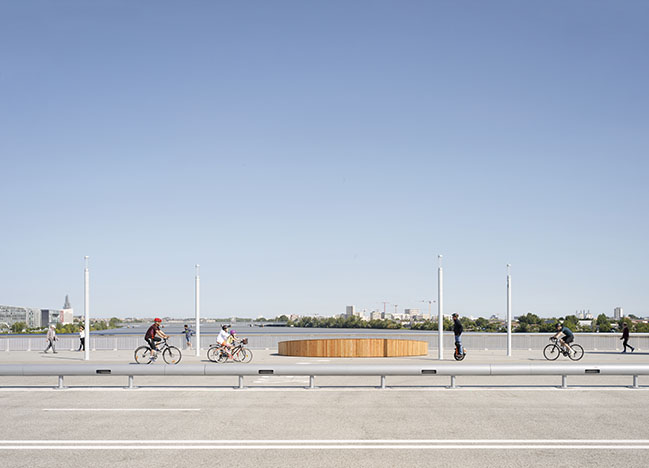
column 153, row 335
column 457, row 330
column 625, row 338
column 565, row 336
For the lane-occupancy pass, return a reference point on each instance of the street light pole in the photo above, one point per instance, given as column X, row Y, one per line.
column 197, row 307
column 86, row 308
column 440, row 310
column 509, row 311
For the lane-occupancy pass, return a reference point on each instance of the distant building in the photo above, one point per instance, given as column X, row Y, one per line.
column 34, row 318
column 618, row 313
column 350, row 311
column 413, row 314
column 67, row 313
column 375, row 315
column 584, row 315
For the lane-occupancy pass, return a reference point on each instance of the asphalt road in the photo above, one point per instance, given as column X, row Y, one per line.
column 277, row 423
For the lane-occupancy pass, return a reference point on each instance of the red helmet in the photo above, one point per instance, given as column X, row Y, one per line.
column 157, row 319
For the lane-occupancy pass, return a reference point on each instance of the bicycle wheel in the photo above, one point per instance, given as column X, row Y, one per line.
column 551, row 352
column 143, row 355
column 238, row 354
column 213, row 354
column 577, row 352
column 172, row 355
column 247, row 355
column 222, row 356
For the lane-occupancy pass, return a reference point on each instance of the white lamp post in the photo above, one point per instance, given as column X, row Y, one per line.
column 440, row 311
column 86, row 308
column 509, row 311
column 197, row 305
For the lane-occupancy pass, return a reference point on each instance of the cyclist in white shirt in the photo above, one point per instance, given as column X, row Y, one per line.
column 222, row 340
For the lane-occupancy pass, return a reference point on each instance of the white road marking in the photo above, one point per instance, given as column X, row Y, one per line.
column 552, row 442
column 323, row 447
column 359, row 444
column 121, row 409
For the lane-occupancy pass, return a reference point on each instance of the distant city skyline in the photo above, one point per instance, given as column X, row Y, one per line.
column 314, row 156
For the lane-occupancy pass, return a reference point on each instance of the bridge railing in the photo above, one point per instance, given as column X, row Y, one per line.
column 314, row 370
column 269, row 340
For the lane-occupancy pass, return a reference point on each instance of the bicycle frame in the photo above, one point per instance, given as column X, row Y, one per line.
column 560, row 346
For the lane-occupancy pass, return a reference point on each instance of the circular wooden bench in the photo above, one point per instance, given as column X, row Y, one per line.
column 353, row 347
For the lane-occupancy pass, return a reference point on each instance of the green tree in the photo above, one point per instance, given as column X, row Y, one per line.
column 629, row 323
column 530, row 319
column 18, row 327
column 642, row 327
column 548, row 326
column 481, row 324
column 523, row 327
column 467, row 323
column 571, row 321
column 603, row 323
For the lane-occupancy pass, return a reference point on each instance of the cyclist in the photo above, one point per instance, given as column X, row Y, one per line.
column 457, row 331
column 222, row 340
column 232, row 338
column 153, row 335
column 565, row 336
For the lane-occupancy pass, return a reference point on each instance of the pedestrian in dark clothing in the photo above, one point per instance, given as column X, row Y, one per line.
column 625, row 338
column 457, row 331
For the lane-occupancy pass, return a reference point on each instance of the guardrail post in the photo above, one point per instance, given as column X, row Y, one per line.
column 130, row 382
column 311, row 381
column 635, row 382
column 241, row 381
column 452, row 382
column 61, row 386
column 383, row 382
column 564, row 381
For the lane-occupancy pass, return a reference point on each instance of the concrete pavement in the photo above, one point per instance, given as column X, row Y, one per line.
column 280, row 424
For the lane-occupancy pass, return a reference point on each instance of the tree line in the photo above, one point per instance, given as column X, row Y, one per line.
column 21, row 327
column 528, row 323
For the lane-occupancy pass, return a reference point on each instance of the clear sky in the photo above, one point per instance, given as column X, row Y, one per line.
column 313, row 155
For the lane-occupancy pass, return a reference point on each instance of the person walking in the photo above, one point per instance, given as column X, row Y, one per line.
column 51, row 338
column 457, row 331
column 625, row 338
column 188, row 336
column 82, row 338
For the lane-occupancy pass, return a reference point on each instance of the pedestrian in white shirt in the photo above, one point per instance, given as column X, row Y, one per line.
column 82, row 338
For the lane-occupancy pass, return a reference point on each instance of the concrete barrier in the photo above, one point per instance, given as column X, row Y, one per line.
column 382, row 371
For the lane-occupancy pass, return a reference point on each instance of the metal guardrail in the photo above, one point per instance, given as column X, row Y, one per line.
column 313, row 370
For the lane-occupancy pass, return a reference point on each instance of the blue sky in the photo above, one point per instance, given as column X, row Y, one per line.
column 313, row 155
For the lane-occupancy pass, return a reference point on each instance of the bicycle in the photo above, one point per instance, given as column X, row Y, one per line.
column 457, row 355
column 552, row 351
column 170, row 354
column 217, row 353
